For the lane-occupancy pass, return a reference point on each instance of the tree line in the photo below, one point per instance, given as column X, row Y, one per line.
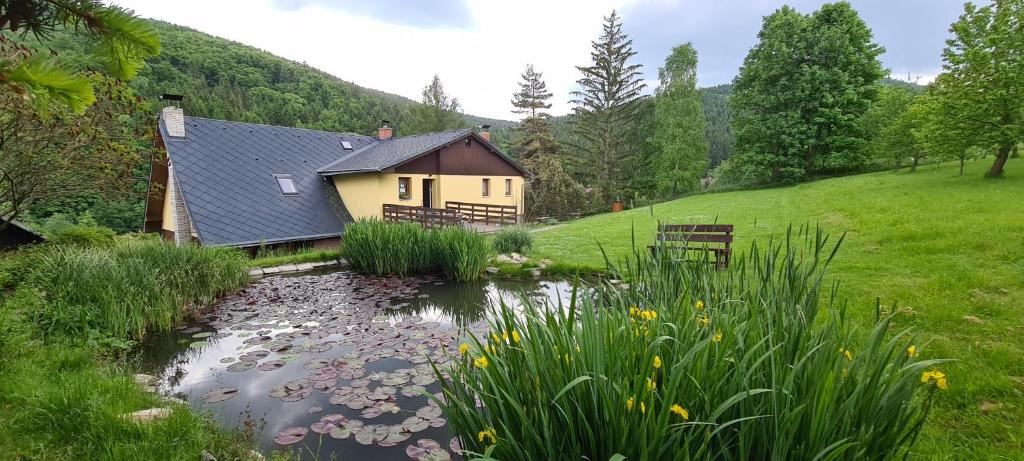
column 811, row 99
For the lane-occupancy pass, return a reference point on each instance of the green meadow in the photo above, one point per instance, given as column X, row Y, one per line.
column 946, row 251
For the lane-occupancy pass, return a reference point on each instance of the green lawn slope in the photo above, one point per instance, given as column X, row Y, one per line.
column 947, row 250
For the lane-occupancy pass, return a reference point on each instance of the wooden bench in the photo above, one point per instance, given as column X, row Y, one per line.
column 681, row 239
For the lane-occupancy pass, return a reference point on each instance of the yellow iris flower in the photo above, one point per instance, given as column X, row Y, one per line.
column 717, row 337
column 463, row 348
column 912, row 351
column 487, row 434
column 938, row 376
column 481, row 362
column 682, row 412
column 657, row 362
column 699, row 305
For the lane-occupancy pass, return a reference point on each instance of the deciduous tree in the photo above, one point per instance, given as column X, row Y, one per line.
column 65, row 155
column 682, row 151
column 981, row 90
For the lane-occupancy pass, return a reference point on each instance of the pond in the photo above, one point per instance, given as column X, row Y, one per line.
column 333, row 363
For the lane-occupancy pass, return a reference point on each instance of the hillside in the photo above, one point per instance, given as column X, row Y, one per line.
column 229, row 80
column 943, row 248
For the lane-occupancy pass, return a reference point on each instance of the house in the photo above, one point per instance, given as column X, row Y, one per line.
column 15, row 234
column 223, row 183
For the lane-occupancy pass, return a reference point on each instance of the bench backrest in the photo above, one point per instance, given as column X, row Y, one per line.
column 686, row 234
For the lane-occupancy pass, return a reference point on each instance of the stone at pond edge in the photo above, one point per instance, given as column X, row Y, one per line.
column 493, row 270
column 148, row 415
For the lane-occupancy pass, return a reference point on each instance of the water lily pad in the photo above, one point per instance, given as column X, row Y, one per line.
column 199, row 344
column 290, row 435
column 314, row 364
column 312, row 410
column 227, row 360
column 244, row 365
column 341, row 432
column 219, row 394
column 427, row 450
column 424, row 380
column 429, row 412
column 271, row 365
column 205, row 334
column 415, row 424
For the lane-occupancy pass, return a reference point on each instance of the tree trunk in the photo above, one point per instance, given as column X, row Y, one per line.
column 1015, row 154
column 913, row 164
column 961, row 166
column 997, row 166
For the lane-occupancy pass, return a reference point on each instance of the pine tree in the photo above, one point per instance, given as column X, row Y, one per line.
column 533, row 94
column 533, row 136
column 438, row 111
column 606, row 106
column 682, row 155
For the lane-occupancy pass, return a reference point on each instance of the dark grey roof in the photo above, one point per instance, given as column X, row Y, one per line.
column 225, row 171
column 390, row 152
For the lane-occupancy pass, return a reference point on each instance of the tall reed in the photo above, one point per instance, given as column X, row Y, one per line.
column 693, row 363
column 128, row 289
column 380, row 248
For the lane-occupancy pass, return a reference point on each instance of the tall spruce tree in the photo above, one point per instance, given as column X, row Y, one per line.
column 682, row 150
column 802, row 89
column 438, row 112
column 605, row 108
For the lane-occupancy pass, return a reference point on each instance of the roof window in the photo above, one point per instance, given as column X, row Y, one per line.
column 284, row 181
column 346, row 145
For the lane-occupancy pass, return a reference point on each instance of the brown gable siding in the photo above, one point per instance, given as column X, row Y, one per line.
column 461, row 158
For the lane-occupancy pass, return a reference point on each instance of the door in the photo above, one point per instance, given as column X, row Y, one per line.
column 428, row 193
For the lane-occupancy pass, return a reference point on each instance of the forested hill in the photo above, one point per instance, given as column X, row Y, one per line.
column 229, row 80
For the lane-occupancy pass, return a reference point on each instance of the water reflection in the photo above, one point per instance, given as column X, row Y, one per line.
column 303, row 342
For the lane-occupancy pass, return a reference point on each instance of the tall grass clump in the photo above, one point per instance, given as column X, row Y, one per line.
column 512, row 240
column 687, row 362
column 133, row 287
column 380, row 248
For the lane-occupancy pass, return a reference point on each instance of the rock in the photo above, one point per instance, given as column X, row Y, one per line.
column 173, row 400
column 257, row 272
column 256, row 456
column 624, row 286
column 544, row 263
column 973, row 319
column 206, row 456
column 288, row 268
column 146, row 382
column 535, row 272
column 149, row 415
column 989, row 407
column 615, row 281
column 492, row 270
column 304, row 266
column 271, row 270
column 503, row 259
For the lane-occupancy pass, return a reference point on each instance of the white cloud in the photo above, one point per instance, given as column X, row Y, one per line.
column 479, row 64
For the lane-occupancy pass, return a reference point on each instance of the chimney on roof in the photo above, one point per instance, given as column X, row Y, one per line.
column 385, row 131
column 485, row 132
column 174, row 117
column 174, row 121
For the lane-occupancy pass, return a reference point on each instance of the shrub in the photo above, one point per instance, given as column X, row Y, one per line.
column 460, row 253
column 512, row 239
column 128, row 289
column 84, row 235
column 380, row 248
column 692, row 363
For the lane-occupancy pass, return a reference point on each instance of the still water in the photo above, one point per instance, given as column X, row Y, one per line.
column 333, row 364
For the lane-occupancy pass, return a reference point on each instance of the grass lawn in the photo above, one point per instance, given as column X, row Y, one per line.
column 940, row 246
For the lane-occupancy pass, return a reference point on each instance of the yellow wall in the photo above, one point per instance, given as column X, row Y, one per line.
column 365, row 194
column 360, row 193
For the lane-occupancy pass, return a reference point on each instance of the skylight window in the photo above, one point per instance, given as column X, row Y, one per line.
column 346, row 145
column 284, row 181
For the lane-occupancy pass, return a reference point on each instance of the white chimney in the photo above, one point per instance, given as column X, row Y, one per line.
column 174, row 121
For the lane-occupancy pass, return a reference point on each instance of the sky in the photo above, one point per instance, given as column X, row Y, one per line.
column 480, row 47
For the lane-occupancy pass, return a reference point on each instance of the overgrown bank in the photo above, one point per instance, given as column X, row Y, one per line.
column 69, row 314
column 687, row 362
